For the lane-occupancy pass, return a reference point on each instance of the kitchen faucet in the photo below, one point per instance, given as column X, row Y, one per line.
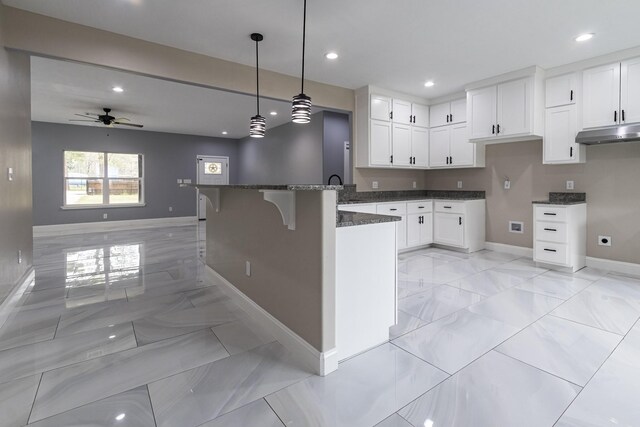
column 337, row 176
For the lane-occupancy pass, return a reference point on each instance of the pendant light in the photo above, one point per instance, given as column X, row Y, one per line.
column 258, row 124
column 301, row 107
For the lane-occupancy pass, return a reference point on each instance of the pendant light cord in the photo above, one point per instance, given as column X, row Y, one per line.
column 257, row 82
column 304, row 37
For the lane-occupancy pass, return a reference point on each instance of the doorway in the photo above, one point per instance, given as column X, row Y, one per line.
column 212, row 170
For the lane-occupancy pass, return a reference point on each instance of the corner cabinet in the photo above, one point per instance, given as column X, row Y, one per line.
column 449, row 147
column 460, row 224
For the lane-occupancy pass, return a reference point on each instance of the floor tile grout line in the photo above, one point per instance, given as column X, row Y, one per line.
column 538, row 368
column 589, row 326
column 273, row 410
column 34, row 398
column 153, row 411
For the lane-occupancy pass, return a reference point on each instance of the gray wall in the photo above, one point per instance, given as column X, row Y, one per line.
column 337, row 130
column 288, row 154
column 167, row 157
column 15, row 152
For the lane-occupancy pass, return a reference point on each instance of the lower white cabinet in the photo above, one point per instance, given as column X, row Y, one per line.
column 449, row 229
column 419, row 223
column 559, row 235
column 396, row 209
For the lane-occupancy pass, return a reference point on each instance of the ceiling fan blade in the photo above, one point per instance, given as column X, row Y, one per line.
column 84, row 115
column 92, row 114
column 118, row 119
column 78, row 120
column 128, row 124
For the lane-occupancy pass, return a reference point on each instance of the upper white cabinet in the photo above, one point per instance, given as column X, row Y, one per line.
column 507, row 111
column 561, row 127
column 401, row 112
column 630, row 91
column 448, row 113
column 380, row 143
column 449, row 147
column 561, row 90
column 420, row 115
column 380, row 108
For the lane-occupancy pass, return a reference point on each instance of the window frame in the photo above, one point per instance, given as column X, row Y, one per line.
column 105, row 183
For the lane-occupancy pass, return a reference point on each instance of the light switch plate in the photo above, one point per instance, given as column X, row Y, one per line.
column 459, row 184
column 414, row 184
column 374, row 185
column 247, row 269
column 186, row 181
column 570, row 185
column 10, row 174
column 507, row 185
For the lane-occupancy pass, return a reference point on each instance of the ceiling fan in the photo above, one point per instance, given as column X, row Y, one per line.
column 106, row 119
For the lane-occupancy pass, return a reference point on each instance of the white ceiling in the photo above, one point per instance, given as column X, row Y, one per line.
column 59, row 89
column 393, row 44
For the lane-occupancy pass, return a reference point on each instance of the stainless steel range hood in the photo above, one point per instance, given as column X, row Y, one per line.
column 626, row 133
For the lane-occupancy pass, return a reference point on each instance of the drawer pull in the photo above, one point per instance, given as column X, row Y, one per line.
column 550, row 250
column 447, row 207
column 393, row 209
column 550, row 229
column 550, row 213
column 420, row 207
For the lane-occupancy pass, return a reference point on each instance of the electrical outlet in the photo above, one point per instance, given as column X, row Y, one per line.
column 104, row 216
column 170, row 208
column 186, row 181
column 179, row 181
column 570, row 185
column 19, row 256
column 507, row 185
column 604, row 240
column 9, row 174
column 247, row 269
column 414, row 184
column 459, row 184
column 374, row 185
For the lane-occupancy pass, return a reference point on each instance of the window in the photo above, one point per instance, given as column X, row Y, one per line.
column 93, row 179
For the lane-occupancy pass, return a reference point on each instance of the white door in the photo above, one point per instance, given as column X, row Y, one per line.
column 448, row 229
column 420, row 115
column 420, row 146
column 380, row 108
column 460, row 149
column 630, row 91
column 401, row 112
column 514, row 114
column 439, row 146
column 601, row 96
column 481, row 112
column 212, row 170
column 560, row 90
column 459, row 111
column 401, row 145
column 439, row 114
column 560, row 134
column 414, row 225
column 380, row 144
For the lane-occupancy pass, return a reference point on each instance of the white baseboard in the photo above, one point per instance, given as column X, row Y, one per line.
column 16, row 296
column 614, row 266
column 102, row 226
column 516, row 250
column 322, row 363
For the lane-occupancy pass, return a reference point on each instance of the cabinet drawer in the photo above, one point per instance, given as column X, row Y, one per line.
column 548, row 213
column 359, row 207
column 452, row 207
column 396, row 209
column 419, row 207
column 551, row 232
column 553, row 253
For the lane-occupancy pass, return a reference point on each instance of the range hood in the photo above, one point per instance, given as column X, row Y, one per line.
column 626, row 133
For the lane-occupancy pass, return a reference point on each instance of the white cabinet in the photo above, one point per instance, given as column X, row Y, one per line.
column 449, row 147
column 401, row 137
column 448, row 113
column 508, row 111
column 380, row 143
column 420, row 114
column 561, row 90
column 380, row 108
column 401, row 112
column 460, row 224
column 559, row 235
column 630, row 91
column 420, row 146
column 561, row 127
column 419, row 223
column 396, row 209
column 601, row 96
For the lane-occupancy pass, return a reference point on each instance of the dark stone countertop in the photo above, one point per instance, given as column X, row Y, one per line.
column 349, row 219
column 291, row 187
column 349, row 196
column 563, row 199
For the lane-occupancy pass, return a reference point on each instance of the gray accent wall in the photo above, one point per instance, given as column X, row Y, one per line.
column 167, row 158
column 337, row 130
column 15, row 152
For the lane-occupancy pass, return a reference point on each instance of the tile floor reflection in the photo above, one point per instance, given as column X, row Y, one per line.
column 125, row 329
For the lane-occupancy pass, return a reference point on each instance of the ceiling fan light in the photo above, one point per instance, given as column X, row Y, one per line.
column 301, row 109
column 257, row 126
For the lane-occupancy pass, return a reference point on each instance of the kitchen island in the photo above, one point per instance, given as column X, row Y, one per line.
column 322, row 281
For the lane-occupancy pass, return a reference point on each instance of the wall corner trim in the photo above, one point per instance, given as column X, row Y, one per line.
column 16, row 296
column 321, row 363
column 103, row 226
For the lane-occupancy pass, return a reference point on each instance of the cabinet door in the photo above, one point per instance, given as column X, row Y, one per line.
column 481, row 112
column 401, row 142
column 630, row 91
column 459, row 111
column 438, row 114
column 401, row 232
column 401, row 112
column 420, row 115
column 380, row 108
column 380, row 143
column 561, row 90
column 420, row 146
column 461, row 150
column 601, row 96
column 414, row 228
column 448, row 229
column 560, row 134
column 426, row 229
column 514, row 108
column 439, row 146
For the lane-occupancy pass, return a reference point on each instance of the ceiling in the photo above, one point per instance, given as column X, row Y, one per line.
column 60, row 89
column 393, row 44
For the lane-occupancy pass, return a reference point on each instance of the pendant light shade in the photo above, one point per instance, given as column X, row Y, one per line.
column 301, row 106
column 258, row 125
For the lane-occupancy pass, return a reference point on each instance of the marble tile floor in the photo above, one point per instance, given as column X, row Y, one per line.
column 125, row 329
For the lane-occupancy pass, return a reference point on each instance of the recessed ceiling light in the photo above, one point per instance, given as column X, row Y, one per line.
column 120, row 417
column 111, row 337
column 331, row 55
column 224, row 132
column 584, row 37
column 429, row 84
column 118, row 89
column 274, row 113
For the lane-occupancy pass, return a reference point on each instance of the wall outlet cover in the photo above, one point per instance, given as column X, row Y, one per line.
column 186, row 181
column 247, row 268
column 414, row 184
column 10, row 174
column 570, row 185
column 507, row 185
column 459, row 184
column 374, row 185
column 104, row 216
column 179, row 181
column 516, row 227
column 604, row 240
column 170, row 208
